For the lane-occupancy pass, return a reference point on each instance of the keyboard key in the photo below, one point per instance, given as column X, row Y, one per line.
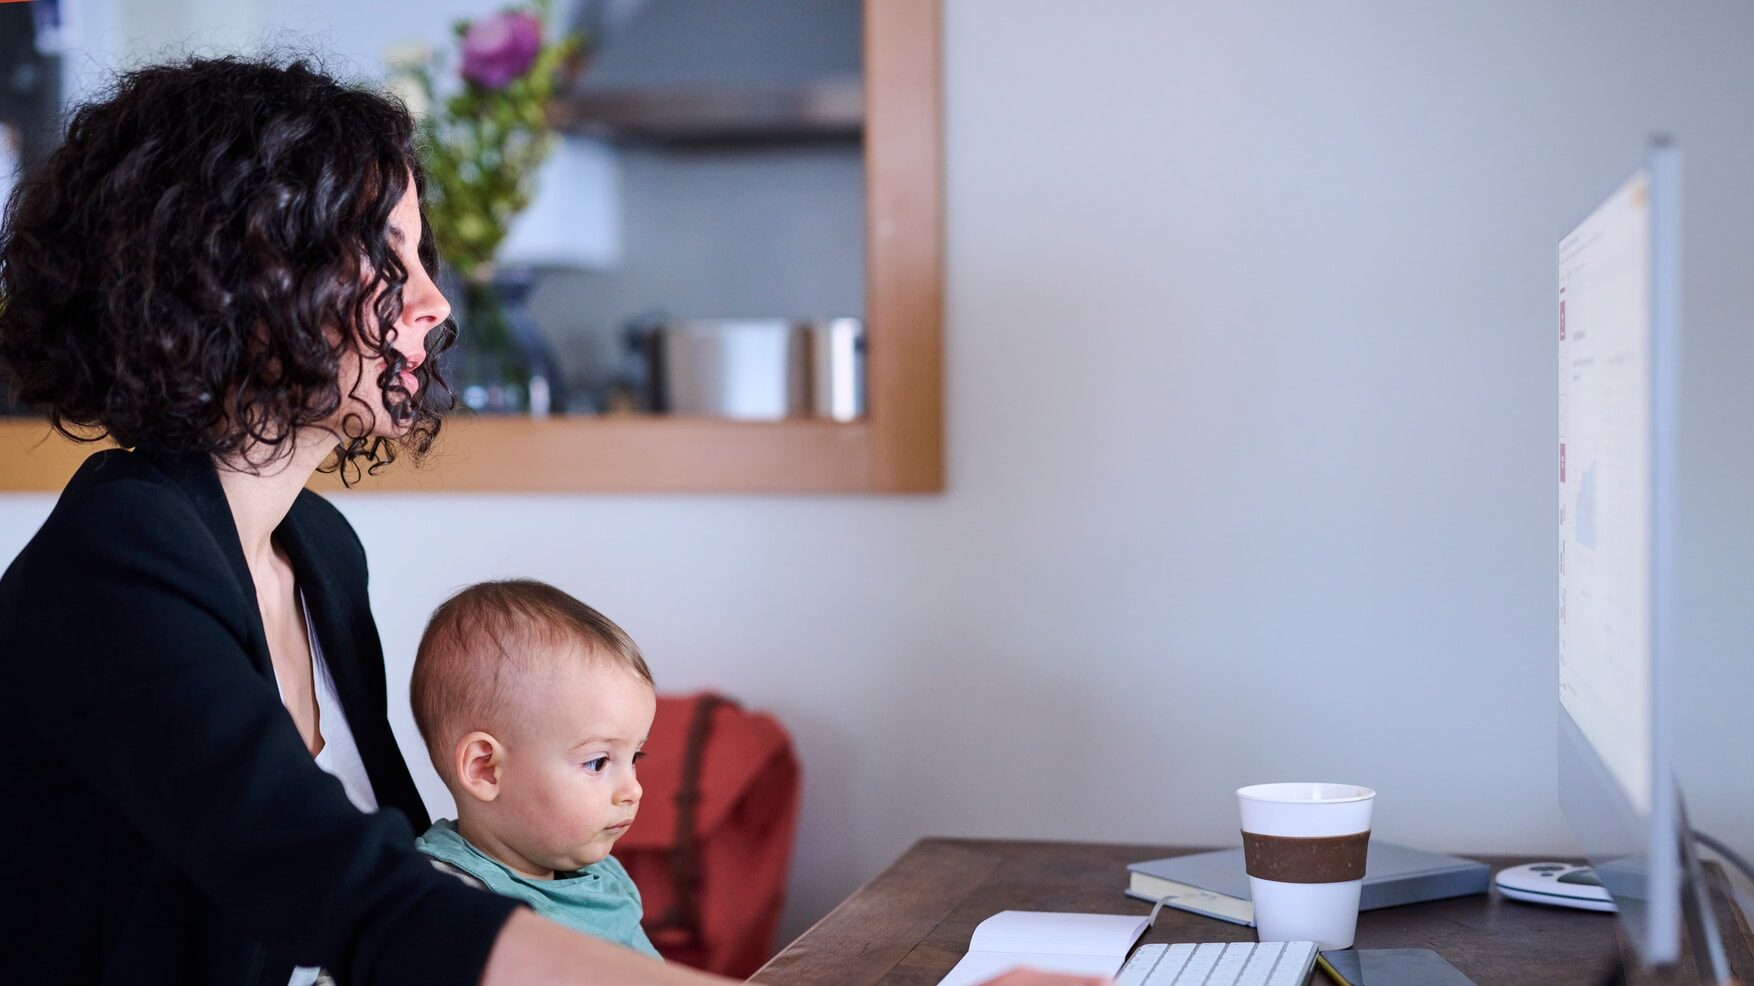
column 1231, row 962
column 1294, row 964
column 1261, row 963
column 1172, row 964
column 1200, row 964
column 1144, row 960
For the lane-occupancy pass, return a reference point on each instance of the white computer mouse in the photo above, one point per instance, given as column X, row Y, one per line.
column 1558, row 884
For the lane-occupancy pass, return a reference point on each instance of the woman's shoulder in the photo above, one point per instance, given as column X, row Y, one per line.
column 120, row 521
column 116, row 490
column 121, row 506
column 115, row 468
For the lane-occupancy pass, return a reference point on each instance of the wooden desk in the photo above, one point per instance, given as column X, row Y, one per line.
column 912, row 923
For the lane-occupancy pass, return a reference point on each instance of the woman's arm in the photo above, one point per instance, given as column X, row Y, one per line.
column 533, row 950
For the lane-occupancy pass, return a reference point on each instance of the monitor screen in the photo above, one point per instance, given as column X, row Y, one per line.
column 1618, row 327
column 1604, row 484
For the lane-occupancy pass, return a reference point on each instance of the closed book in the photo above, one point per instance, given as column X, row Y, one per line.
column 1216, row 885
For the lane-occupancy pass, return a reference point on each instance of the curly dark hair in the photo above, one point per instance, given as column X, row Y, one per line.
column 189, row 269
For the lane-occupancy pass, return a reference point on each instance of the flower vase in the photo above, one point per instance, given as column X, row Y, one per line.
column 502, row 363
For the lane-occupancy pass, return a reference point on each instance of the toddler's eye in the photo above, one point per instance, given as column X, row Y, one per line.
column 639, row 756
column 598, row 765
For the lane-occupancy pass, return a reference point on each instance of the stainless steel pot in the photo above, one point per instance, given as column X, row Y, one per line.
column 754, row 369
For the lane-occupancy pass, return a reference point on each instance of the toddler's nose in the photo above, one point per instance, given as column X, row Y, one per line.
column 631, row 792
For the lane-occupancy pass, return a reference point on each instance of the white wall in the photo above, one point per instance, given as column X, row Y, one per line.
column 1251, row 432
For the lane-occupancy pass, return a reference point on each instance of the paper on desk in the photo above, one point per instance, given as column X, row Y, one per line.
column 979, row 967
column 1079, row 944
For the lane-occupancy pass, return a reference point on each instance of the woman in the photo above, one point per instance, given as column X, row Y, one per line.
column 224, row 268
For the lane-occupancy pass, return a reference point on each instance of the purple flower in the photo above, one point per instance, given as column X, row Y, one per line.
column 500, row 48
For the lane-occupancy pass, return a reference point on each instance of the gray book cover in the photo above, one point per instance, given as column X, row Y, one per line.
column 1393, row 874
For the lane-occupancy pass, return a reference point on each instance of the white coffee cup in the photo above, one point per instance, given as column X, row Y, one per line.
column 1304, row 845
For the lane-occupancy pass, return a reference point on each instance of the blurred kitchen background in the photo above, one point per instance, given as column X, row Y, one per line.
column 696, row 240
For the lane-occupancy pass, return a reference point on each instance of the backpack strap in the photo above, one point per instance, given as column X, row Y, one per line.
column 683, row 914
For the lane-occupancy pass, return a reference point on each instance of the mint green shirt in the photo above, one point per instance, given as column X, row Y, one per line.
column 599, row 900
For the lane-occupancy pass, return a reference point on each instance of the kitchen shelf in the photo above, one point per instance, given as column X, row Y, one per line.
column 609, row 454
column 830, row 110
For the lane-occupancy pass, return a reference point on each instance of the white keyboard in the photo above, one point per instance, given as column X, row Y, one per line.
column 1240, row 963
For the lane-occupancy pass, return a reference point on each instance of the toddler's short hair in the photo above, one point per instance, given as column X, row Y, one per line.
column 491, row 631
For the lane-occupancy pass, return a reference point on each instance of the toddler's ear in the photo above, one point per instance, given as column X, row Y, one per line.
column 479, row 758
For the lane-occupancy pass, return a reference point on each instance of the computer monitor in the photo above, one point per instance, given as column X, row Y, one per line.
column 1619, row 324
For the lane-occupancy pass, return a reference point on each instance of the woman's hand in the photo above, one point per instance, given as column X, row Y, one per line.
column 1027, row 977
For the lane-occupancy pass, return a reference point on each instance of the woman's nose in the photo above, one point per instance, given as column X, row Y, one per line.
column 424, row 306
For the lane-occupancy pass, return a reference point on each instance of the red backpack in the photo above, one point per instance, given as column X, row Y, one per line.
column 713, row 840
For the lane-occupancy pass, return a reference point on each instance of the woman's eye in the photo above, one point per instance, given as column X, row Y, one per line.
column 598, row 765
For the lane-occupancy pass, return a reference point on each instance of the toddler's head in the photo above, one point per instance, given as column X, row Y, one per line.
column 533, row 707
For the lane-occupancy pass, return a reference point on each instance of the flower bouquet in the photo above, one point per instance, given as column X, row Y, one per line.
column 483, row 136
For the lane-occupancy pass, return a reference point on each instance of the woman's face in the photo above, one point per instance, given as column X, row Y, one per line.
column 424, row 308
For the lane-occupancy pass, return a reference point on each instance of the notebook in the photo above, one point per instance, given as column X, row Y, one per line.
column 1077, row 944
column 1214, row 883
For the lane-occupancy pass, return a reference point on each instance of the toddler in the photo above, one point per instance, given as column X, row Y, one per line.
column 534, row 707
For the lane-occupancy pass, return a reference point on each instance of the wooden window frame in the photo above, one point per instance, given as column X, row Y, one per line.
column 897, row 448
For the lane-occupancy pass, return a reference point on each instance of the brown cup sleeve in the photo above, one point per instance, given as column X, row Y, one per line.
column 1293, row 859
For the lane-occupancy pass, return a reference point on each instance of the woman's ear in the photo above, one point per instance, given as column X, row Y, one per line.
column 479, row 758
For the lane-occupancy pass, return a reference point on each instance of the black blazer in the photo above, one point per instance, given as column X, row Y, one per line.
column 164, row 821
